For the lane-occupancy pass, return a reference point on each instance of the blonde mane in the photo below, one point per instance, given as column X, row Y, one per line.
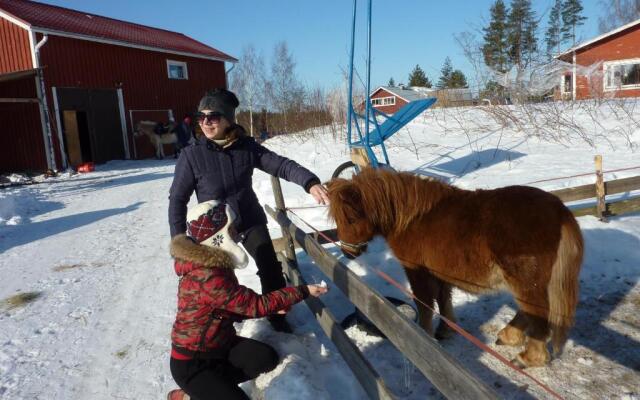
column 389, row 200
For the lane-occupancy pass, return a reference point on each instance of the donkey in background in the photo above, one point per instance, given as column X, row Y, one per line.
column 520, row 239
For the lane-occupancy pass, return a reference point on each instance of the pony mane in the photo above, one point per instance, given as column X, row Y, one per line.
column 389, row 200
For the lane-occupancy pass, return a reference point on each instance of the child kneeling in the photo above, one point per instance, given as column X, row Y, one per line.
column 208, row 358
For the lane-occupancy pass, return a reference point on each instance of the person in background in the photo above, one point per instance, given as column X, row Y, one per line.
column 208, row 359
column 220, row 165
column 184, row 132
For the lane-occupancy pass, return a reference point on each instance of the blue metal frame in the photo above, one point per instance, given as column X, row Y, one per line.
column 392, row 124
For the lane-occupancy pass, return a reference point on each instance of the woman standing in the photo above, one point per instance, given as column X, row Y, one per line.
column 220, row 166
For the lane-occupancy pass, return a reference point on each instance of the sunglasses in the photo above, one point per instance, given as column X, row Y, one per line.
column 210, row 117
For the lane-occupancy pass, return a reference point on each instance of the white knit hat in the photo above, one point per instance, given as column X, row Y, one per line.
column 211, row 224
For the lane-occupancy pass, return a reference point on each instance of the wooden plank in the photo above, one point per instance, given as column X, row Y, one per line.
column 289, row 248
column 575, row 193
column 72, row 136
column 18, row 100
column 613, row 208
column 601, row 206
column 446, row 374
column 280, row 243
column 371, row 382
column 624, row 206
column 11, row 76
column 588, row 191
column 581, row 212
column 622, row 185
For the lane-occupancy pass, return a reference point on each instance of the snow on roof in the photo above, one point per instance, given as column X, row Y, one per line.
column 406, row 94
column 51, row 19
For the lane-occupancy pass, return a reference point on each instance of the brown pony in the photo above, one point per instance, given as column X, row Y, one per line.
column 517, row 238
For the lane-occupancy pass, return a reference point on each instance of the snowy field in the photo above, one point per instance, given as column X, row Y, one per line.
column 90, row 254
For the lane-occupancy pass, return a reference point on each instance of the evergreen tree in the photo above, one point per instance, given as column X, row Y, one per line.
column 553, row 38
column 521, row 25
column 571, row 18
column 391, row 83
column 417, row 77
column 445, row 74
column 494, row 49
column 458, row 80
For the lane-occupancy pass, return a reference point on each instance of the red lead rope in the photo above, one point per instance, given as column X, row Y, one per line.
column 450, row 323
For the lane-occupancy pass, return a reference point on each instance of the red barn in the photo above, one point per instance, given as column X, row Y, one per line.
column 73, row 84
column 619, row 74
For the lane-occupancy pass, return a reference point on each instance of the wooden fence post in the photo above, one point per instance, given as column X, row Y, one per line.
column 289, row 250
column 600, row 191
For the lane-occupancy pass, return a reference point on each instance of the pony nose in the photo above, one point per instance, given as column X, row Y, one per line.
column 353, row 253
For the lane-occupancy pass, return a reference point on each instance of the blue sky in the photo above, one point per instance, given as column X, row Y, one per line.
column 405, row 32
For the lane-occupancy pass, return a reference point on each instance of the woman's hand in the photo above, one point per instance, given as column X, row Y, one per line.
column 317, row 290
column 319, row 193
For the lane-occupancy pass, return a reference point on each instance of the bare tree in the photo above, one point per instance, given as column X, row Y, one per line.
column 286, row 91
column 248, row 81
column 617, row 13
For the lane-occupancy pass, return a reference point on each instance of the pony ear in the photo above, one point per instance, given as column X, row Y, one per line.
column 346, row 197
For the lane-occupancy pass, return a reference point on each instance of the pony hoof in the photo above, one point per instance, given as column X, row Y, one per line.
column 444, row 333
column 510, row 337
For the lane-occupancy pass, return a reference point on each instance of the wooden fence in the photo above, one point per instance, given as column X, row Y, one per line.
column 451, row 378
column 611, row 208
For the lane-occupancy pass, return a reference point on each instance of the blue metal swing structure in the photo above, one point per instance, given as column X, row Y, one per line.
column 362, row 140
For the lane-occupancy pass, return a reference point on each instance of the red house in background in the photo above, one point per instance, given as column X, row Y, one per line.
column 390, row 99
column 619, row 52
column 73, row 84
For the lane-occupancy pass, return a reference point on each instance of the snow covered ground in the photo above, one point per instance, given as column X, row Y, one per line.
column 89, row 253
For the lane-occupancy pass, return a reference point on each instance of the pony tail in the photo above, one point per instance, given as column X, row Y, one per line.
column 563, row 285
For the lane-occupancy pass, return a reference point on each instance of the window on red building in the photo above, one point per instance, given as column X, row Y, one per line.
column 623, row 74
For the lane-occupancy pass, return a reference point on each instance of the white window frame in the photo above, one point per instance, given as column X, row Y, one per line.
column 606, row 69
column 563, row 83
column 174, row 63
column 383, row 101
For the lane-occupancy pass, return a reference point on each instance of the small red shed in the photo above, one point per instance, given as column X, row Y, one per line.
column 75, row 82
column 619, row 74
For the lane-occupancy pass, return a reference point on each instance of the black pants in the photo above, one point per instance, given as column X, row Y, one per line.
column 258, row 244
column 205, row 379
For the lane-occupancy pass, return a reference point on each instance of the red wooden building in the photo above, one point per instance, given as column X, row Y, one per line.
column 390, row 99
column 619, row 74
column 73, row 84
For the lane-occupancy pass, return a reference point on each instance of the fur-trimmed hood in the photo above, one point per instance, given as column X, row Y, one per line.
column 196, row 256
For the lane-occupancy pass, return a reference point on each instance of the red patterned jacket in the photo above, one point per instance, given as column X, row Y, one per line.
column 210, row 300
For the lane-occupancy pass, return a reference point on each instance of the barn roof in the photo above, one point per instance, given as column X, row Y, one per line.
column 61, row 21
column 405, row 94
column 599, row 38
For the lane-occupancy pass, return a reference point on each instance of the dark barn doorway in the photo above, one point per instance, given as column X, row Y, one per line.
column 91, row 125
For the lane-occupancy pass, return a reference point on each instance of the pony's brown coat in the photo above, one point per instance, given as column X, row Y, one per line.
column 517, row 238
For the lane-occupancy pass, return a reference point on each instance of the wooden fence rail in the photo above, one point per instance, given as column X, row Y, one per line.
column 447, row 375
column 617, row 186
column 371, row 382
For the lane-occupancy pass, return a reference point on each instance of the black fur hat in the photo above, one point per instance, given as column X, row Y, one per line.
column 222, row 101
